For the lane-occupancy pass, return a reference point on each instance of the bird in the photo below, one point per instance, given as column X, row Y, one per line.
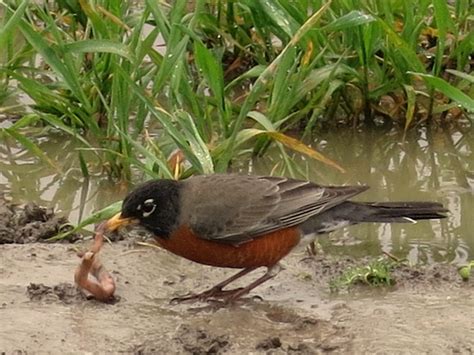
column 247, row 221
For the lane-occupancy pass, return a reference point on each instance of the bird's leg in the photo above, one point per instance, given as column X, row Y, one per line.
column 235, row 294
column 311, row 248
column 216, row 291
column 229, row 296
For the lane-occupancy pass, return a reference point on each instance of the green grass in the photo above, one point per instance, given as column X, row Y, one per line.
column 221, row 80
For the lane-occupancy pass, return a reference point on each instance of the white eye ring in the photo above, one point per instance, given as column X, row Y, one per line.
column 146, row 205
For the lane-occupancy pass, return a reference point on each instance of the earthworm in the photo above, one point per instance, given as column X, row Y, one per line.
column 101, row 285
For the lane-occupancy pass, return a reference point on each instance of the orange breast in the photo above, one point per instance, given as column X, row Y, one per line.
column 263, row 251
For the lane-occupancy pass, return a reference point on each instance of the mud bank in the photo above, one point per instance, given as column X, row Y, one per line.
column 297, row 313
column 429, row 310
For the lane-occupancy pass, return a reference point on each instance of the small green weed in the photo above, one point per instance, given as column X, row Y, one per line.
column 465, row 271
column 376, row 273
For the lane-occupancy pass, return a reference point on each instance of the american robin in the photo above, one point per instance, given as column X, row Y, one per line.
column 247, row 222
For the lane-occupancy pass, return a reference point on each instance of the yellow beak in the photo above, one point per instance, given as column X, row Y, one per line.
column 118, row 221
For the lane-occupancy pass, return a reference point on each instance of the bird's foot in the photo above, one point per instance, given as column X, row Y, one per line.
column 312, row 249
column 211, row 295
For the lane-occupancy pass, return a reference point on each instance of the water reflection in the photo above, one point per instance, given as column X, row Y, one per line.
column 26, row 178
column 428, row 165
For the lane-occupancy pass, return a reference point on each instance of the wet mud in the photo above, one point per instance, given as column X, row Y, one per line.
column 404, row 276
column 62, row 292
column 30, row 223
column 429, row 310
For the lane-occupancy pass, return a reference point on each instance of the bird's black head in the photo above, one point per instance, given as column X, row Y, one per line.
column 155, row 204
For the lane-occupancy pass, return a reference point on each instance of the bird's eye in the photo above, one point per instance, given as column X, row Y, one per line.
column 148, row 207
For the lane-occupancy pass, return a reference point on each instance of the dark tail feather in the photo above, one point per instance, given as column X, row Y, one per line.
column 401, row 212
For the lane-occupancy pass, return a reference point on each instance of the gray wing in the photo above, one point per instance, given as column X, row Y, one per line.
column 233, row 209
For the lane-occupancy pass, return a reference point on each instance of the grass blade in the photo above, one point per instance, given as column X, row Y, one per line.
column 196, row 142
column 411, row 103
column 352, row 19
column 461, row 75
column 38, row 42
column 97, row 217
column 99, row 46
column 300, row 147
column 12, row 22
column 212, row 71
column 403, row 47
column 450, row 91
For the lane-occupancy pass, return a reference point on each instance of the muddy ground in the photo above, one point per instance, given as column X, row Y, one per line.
column 430, row 310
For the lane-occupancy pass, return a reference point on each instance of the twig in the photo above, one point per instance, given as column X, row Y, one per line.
column 391, row 256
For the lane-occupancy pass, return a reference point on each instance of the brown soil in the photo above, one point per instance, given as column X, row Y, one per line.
column 428, row 311
column 404, row 276
column 64, row 292
column 29, row 223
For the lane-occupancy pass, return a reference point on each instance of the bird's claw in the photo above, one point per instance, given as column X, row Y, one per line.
column 212, row 295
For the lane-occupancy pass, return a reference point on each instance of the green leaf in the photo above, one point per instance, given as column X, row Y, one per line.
column 150, row 157
column 83, row 165
column 411, row 103
column 25, row 121
column 12, row 22
column 461, row 75
column 263, row 120
column 173, row 54
column 70, row 77
column 99, row 46
column 282, row 19
column 450, row 91
column 403, row 47
column 352, row 19
column 443, row 24
column 97, row 217
column 55, row 122
column 290, row 142
column 253, row 72
column 282, row 91
column 97, row 21
column 164, row 117
column 212, row 71
column 196, row 142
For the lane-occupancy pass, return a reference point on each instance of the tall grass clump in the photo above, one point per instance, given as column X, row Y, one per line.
column 220, row 80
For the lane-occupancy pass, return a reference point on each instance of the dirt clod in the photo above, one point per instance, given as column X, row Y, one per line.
column 269, row 343
column 300, row 348
column 30, row 223
column 198, row 341
column 64, row 292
